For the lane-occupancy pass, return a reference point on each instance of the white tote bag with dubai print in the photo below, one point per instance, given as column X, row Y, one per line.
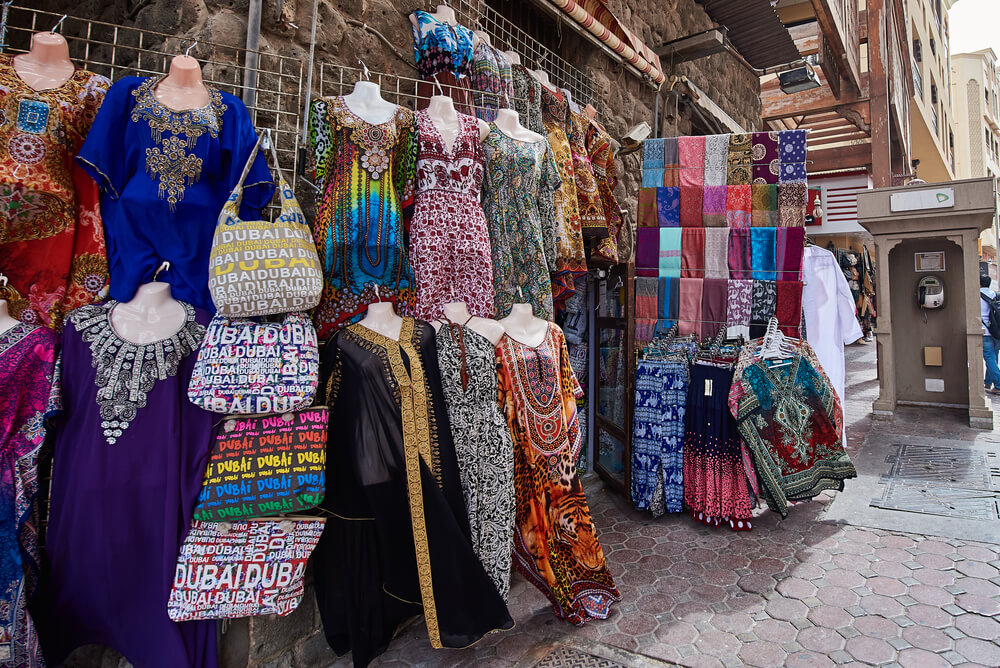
column 262, row 268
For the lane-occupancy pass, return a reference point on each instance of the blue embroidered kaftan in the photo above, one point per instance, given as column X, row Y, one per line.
column 164, row 176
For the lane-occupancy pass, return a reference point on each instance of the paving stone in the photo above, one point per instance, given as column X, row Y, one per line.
column 734, row 622
column 977, row 553
column 876, row 627
column 903, row 621
column 838, row 596
column 676, row 633
column 870, row 650
column 953, row 610
column 922, row 658
column 762, row 653
column 926, row 615
column 774, row 630
column 881, row 605
column 867, row 573
column 976, row 569
column 821, row 639
column 891, row 569
column 978, row 651
column 931, row 595
column 908, row 581
column 984, row 628
column 930, row 639
column 906, row 600
column 841, row 656
column 786, row 609
column 954, row 633
column 886, row 586
column 978, row 604
column 848, row 632
column 954, row 658
column 929, row 576
column 856, row 611
column 808, row 660
column 933, row 546
column 757, row 583
column 898, row 643
column 717, row 643
column 797, row 588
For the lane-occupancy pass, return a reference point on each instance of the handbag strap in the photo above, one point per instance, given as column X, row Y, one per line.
column 287, row 197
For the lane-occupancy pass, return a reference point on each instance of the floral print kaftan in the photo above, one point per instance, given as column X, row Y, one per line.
column 27, row 367
column 51, row 238
column 520, row 176
column 570, row 259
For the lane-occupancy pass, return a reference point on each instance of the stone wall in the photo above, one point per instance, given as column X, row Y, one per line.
column 378, row 32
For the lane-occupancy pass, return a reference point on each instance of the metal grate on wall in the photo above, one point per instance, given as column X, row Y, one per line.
column 116, row 51
column 511, row 25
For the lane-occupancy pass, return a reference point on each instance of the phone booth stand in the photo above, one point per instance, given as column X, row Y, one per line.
column 930, row 338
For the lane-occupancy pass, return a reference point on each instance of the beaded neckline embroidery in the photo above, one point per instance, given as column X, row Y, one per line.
column 177, row 133
column 127, row 371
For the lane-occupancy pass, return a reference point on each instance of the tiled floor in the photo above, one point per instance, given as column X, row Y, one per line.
column 797, row 592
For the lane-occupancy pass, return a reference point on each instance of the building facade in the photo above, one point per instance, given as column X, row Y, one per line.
column 975, row 84
column 931, row 117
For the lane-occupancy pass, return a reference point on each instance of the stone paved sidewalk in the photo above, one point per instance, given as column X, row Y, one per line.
column 794, row 592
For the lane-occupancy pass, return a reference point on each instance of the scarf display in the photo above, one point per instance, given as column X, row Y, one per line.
column 720, row 225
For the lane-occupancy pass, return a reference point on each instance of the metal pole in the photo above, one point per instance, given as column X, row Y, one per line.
column 252, row 64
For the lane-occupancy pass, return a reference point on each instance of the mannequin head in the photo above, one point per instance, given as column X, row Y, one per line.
column 49, row 47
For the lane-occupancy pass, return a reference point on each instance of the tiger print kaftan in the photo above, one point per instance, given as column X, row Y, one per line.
column 555, row 540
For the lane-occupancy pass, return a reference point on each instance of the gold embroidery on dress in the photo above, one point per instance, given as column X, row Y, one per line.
column 170, row 161
column 413, row 399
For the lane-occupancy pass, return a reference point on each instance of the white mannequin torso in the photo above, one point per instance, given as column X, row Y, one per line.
column 484, row 37
column 524, row 327
column 458, row 313
column 182, row 89
column 513, row 57
column 543, row 78
column 47, row 64
column 573, row 106
column 151, row 315
column 442, row 113
column 508, row 122
column 382, row 319
column 366, row 102
column 6, row 321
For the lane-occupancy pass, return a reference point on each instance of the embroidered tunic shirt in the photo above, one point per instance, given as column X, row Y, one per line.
column 51, row 238
column 165, row 176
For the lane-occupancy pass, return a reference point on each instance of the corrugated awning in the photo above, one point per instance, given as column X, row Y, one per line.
column 597, row 19
column 755, row 30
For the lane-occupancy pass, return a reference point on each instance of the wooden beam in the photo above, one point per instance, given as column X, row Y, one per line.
column 777, row 104
column 842, row 157
column 841, row 139
column 836, row 132
column 806, row 37
column 829, row 125
column 878, row 92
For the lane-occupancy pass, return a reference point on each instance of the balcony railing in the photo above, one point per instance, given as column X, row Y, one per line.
column 918, row 79
column 934, row 120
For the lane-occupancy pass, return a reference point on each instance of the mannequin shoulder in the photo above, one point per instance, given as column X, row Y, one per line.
column 492, row 330
column 484, row 128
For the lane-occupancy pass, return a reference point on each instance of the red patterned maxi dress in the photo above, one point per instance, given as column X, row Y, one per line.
column 449, row 240
column 555, row 540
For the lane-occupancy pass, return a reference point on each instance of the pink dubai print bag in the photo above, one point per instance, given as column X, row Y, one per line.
column 247, row 367
column 240, row 569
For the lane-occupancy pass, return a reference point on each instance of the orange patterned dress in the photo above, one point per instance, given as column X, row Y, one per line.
column 51, row 237
column 555, row 540
column 570, row 259
column 606, row 173
column 593, row 222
